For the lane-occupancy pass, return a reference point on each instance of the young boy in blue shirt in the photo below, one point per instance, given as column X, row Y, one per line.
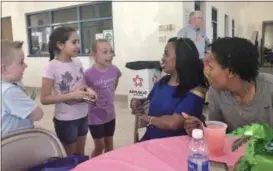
column 18, row 110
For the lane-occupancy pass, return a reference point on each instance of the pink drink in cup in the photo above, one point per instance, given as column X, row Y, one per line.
column 215, row 134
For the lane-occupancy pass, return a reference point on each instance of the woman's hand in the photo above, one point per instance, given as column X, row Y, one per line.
column 191, row 123
column 137, row 106
column 146, row 106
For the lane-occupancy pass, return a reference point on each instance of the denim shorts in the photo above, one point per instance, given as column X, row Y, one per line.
column 69, row 131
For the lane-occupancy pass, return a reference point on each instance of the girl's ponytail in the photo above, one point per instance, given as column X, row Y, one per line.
column 58, row 35
column 51, row 51
column 51, row 55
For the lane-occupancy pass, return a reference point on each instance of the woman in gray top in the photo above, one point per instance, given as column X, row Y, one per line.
column 239, row 94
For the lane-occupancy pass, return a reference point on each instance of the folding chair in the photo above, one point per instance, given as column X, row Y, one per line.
column 138, row 125
column 34, row 94
column 27, row 148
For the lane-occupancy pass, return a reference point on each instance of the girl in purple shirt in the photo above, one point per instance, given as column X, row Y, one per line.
column 102, row 77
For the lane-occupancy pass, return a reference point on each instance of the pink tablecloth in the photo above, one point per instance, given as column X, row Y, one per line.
column 169, row 154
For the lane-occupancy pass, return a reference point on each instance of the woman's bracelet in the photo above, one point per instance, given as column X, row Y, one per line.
column 150, row 121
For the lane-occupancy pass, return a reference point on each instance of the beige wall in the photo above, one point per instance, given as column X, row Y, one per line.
column 136, row 34
column 251, row 17
column 223, row 8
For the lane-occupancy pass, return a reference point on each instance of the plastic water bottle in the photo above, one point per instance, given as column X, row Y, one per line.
column 198, row 159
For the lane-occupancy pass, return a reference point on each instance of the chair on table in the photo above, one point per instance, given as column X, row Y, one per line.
column 271, row 60
column 27, row 148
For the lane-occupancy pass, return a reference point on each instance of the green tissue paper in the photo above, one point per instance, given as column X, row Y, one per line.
column 259, row 153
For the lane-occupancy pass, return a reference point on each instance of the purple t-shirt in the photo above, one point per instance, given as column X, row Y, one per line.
column 104, row 84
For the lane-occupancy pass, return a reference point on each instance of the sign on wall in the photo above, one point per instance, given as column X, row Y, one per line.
column 108, row 35
column 186, row 16
column 99, row 36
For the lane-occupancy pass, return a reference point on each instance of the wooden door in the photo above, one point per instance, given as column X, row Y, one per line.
column 6, row 29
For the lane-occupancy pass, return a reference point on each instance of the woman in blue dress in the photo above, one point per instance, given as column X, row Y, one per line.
column 180, row 91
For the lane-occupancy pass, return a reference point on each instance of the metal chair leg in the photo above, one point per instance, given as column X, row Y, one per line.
column 136, row 135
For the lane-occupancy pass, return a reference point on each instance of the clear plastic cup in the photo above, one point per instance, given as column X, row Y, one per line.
column 215, row 134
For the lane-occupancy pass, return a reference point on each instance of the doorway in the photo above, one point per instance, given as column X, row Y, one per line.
column 6, row 29
column 267, row 44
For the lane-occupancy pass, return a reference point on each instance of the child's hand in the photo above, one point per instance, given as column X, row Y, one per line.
column 92, row 95
column 79, row 94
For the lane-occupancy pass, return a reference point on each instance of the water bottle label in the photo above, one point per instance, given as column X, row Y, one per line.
column 198, row 166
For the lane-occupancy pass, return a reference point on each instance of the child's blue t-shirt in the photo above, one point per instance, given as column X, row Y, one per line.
column 163, row 102
column 16, row 107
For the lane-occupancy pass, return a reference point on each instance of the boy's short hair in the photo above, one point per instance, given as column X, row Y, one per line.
column 96, row 42
column 7, row 48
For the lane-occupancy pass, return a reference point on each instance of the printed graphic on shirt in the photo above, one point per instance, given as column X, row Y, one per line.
column 106, row 88
column 67, row 82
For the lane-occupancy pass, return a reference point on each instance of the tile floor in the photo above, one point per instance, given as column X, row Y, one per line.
column 124, row 126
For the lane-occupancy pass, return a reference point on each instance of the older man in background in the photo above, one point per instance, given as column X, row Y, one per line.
column 194, row 32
